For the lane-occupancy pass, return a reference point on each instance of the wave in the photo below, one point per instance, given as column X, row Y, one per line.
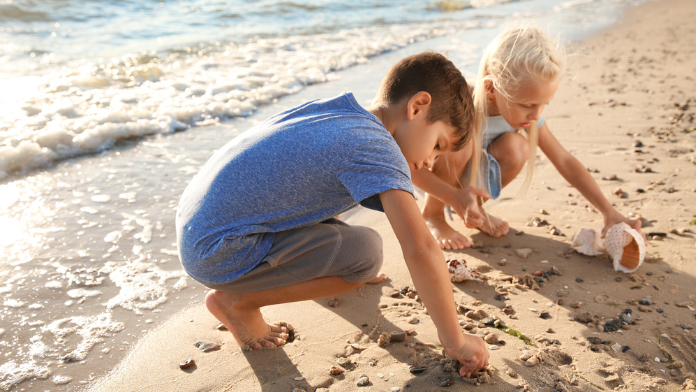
column 93, row 107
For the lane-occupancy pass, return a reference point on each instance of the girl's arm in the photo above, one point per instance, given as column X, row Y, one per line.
column 577, row 175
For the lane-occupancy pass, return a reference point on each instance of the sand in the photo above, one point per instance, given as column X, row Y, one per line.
column 628, row 86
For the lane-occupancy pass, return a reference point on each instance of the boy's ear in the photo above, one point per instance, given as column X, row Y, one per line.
column 418, row 104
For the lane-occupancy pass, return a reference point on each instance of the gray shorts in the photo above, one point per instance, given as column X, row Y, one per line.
column 329, row 248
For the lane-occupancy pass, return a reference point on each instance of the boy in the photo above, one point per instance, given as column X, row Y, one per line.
column 255, row 225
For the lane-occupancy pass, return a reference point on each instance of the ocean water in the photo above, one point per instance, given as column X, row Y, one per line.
column 108, row 108
column 78, row 77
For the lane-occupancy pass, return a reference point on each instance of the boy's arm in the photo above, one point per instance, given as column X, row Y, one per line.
column 443, row 183
column 429, row 273
column 577, row 175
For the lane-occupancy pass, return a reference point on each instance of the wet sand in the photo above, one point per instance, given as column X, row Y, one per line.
column 627, row 104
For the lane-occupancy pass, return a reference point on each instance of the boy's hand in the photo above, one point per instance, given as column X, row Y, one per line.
column 611, row 220
column 465, row 204
column 473, row 355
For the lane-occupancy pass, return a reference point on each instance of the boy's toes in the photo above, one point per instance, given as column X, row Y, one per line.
column 281, row 326
column 273, row 342
column 252, row 346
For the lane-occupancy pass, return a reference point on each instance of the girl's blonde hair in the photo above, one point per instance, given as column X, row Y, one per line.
column 515, row 55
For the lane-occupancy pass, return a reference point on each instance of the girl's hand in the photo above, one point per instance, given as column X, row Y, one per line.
column 473, row 355
column 465, row 204
column 611, row 220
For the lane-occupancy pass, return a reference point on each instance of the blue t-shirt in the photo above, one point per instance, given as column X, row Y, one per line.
column 297, row 168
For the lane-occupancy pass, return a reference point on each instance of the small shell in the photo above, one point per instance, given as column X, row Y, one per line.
column 460, row 272
column 626, row 247
column 588, row 242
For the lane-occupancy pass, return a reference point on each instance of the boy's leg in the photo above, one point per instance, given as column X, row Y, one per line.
column 448, row 170
column 511, row 150
column 241, row 312
column 318, row 261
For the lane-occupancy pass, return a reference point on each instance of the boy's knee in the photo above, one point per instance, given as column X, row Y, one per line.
column 366, row 248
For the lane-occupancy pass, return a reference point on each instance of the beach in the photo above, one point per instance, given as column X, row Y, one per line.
column 94, row 297
column 626, row 104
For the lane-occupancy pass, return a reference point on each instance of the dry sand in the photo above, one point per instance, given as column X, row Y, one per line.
column 633, row 83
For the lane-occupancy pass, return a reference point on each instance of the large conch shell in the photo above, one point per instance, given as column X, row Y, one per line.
column 588, row 242
column 460, row 271
column 626, row 247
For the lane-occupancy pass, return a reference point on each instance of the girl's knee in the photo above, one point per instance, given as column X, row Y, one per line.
column 510, row 150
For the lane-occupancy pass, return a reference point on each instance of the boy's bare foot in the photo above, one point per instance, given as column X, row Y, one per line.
column 494, row 227
column 246, row 324
column 446, row 236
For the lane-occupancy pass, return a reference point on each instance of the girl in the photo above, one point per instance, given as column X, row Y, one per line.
column 518, row 76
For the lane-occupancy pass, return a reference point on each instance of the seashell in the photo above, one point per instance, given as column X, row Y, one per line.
column 460, row 271
column 588, row 242
column 626, row 247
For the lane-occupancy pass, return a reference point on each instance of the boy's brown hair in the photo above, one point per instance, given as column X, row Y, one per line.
column 435, row 74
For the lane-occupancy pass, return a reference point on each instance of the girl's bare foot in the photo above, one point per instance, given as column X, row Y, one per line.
column 446, row 236
column 494, row 227
column 377, row 279
column 246, row 324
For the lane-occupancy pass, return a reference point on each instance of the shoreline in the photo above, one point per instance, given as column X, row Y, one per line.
column 616, row 95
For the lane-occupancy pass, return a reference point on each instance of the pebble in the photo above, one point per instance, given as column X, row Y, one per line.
column 611, row 326
column 335, row 371
column 221, row 327
column 398, row 336
column 579, row 280
column 477, row 314
column 334, row 302
column 395, row 294
column 523, row 252
column 345, row 362
column 417, row 370
column 491, row 338
column 396, row 389
column 493, row 347
column 207, row 347
column 545, row 315
column 363, row 381
column 446, row 382
column 576, row 305
column 187, row 364
column 532, row 361
column 599, row 299
column 645, row 301
column 617, row 279
column 412, row 320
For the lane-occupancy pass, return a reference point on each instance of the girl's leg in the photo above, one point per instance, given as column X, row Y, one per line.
column 511, row 150
column 449, row 170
